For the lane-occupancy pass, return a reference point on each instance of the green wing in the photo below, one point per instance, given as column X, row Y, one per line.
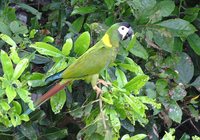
column 91, row 62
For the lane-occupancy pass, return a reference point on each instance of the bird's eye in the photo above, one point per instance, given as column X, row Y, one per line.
column 122, row 28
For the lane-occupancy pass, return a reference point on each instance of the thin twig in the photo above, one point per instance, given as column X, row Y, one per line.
column 194, row 126
column 183, row 122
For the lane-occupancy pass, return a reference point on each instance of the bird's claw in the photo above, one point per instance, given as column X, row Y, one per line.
column 100, row 81
column 98, row 90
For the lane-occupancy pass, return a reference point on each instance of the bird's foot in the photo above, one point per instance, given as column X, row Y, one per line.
column 100, row 81
column 98, row 90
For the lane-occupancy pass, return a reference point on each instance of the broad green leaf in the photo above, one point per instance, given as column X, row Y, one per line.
column 25, row 96
column 184, row 68
column 109, row 3
column 132, row 42
column 55, row 135
column 48, row 39
column 15, row 119
column 47, row 49
column 36, row 79
column 136, row 83
column 82, row 43
column 83, row 10
column 191, row 13
column 136, row 137
column 139, row 51
column 77, row 25
column 16, row 107
column 24, row 117
column 162, row 9
column 4, row 29
column 28, row 131
column 57, row 101
column 121, row 77
column 14, row 55
column 116, row 125
column 178, row 93
column 32, row 33
column 175, row 112
column 19, row 69
column 67, row 47
column 178, row 45
column 6, row 64
column 196, row 83
column 194, row 41
column 10, row 93
column 178, row 27
column 169, row 135
column 8, row 40
column 30, row 9
column 4, row 105
column 150, row 101
column 107, row 98
column 17, row 28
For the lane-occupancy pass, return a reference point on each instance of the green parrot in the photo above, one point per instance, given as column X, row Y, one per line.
column 95, row 59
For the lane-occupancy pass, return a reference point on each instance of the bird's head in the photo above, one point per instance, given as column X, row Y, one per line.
column 118, row 32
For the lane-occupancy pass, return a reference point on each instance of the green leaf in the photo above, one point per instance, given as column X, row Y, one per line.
column 107, row 98
column 162, row 9
column 19, row 69
column 175, row 112
column 83, row 10
column 82, row 43
column 32, row 33
column 5, row 29
column 116, row 125
column 24, row 117
column 109, row 3
column 8, row 40
column 178, row 27
column 48, row 39
column 15, row 119
column 55, row 135
column 196, row 83
column 30, row 9
column 36, row 79
column 6, row 64
column 16, row 107
column 4, row 105
column 169, row 136
column 184, row 68
column 47, row 49
column 10, row 93
column 17, row 28
column 139, row 51
column 136, row 83
column 136, row 137
column 28, row 131
column 67, row 47
column 194, row 41
column 132, row 42
column 25, row 96
column 191, row 14
column 121, row 77
column 58, row 101
column 77, row 25
column 178, row 93
column 14, row 55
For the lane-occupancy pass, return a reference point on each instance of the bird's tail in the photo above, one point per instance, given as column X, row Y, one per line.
column 49, row 94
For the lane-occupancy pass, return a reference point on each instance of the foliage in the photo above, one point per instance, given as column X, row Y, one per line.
column 37, row 42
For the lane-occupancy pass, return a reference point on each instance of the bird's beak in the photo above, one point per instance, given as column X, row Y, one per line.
column 129, row 34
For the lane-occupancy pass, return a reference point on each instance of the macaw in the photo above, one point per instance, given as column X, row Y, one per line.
column 89, row 65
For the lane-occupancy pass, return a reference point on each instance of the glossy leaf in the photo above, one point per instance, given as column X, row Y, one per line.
column 58, row 101
column 184, row 68
column 67, row 47
column 14, row 55
column 121, row 77
column 175, row 112
column 47, row 49
column 82, row 43
column 5, row 106
column 136, row 83
column 196, row 83
column 10, row 93
column 178, row 93
column 77, row 25
column 194, row 41
column 8, row 40
column 83, row 10
column 48, row 39
column 6, row 64
column 178, row 27
column 19, row 69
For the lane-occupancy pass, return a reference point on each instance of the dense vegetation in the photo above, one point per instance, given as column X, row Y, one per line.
column 155, row 78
